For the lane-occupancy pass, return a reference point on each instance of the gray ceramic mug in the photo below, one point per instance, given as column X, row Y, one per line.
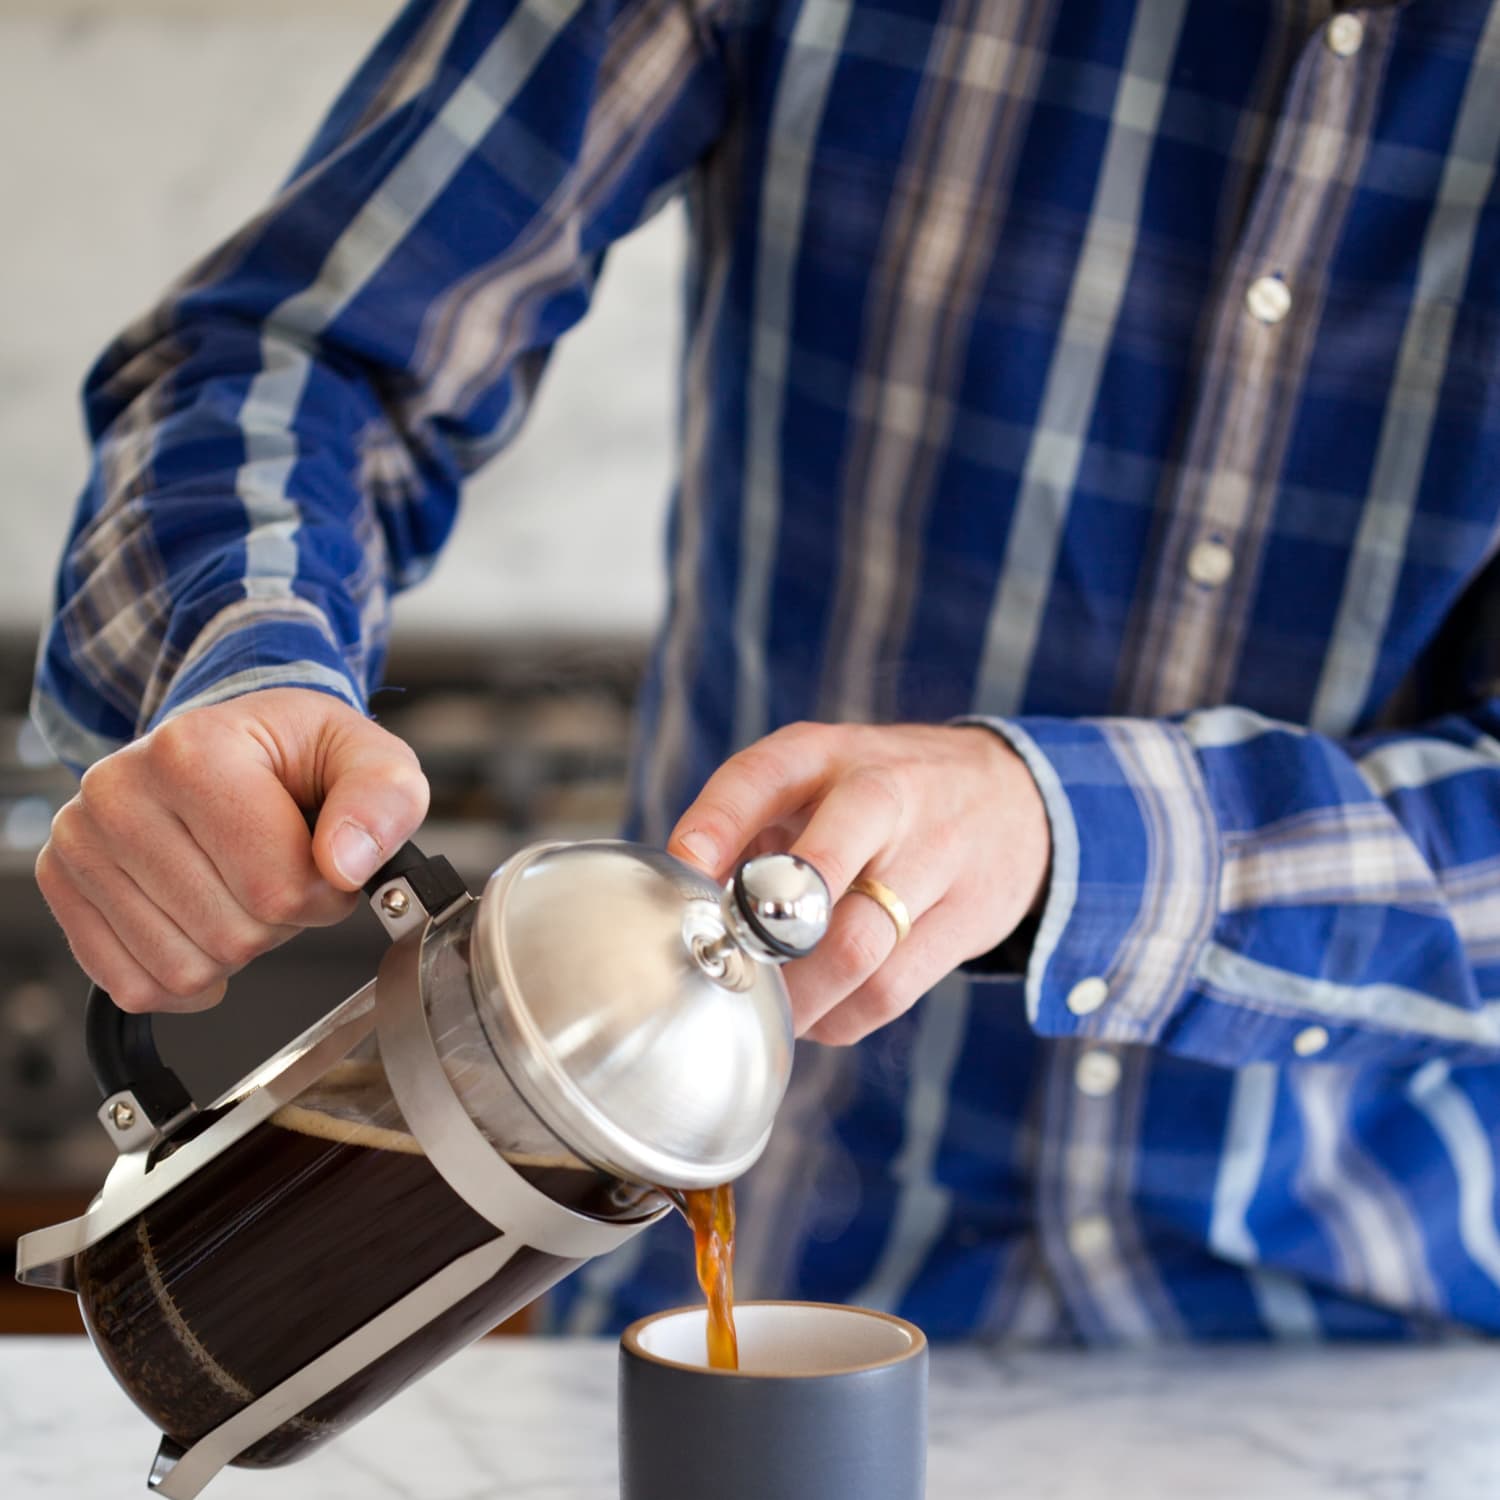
column 829, row 1402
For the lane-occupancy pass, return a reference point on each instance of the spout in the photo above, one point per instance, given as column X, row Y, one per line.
column 45, row 1256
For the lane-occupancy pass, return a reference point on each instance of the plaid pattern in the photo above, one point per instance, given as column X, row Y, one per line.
column 976, row 421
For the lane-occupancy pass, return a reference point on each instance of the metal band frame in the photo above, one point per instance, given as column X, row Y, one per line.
column 390, row 1005
column 45, row 1257
column 454, row 1144
column 472, row 1167
column 180, row 1475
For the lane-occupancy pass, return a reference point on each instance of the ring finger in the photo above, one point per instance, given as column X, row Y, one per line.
column 847, row 830
column 861, row 938
column 924, row 959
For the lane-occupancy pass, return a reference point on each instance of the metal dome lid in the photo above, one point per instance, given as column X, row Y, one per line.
column 638, row 1008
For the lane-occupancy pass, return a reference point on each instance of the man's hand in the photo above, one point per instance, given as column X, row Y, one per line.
column 187, row 854
column 948, row 818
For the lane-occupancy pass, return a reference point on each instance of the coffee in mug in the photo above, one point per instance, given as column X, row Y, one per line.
column 827, row 1402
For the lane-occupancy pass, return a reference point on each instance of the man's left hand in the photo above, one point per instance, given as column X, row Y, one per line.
column 948, row 818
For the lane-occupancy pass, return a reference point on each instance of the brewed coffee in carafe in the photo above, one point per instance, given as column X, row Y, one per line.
column 292, row 1239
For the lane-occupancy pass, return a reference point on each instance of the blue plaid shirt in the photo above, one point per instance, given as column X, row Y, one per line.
column 1123, row 372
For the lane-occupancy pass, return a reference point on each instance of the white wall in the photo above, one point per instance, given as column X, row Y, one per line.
column 136, row 133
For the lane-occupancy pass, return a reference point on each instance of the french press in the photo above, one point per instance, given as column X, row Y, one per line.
column 525, row 1084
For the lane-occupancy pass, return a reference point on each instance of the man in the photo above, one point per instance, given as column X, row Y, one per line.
column 1119, row 373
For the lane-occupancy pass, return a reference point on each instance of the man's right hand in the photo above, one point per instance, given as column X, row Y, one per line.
column 187, row 854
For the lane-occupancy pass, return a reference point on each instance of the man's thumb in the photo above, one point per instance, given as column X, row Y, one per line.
column 374, row 799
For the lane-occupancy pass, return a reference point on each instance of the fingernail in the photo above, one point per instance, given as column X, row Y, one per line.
column 355, row 853
column 701, row 847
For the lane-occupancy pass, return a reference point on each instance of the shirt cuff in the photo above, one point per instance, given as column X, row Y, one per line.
column 253, row 646
column 1135, row 874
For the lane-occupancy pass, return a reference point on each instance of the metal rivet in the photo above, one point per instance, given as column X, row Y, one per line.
column 395, row 902
column 122, row 1115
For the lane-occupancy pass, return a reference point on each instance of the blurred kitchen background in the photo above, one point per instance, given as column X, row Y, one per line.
column 137, row 133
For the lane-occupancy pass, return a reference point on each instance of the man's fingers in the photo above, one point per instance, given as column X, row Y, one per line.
column 859, row 939
column 98, row 950
column 279, row 884
column 762, row 784
column 852, row 824
column 232, row 801
column 187, row 853
column 374, row 800
column 153, row 847
column 912, row 969
column 921, row 809
column 151, row 937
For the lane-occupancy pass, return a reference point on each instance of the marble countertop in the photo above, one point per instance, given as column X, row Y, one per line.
column 534, row 1420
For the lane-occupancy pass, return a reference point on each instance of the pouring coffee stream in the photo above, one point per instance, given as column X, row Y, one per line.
column 709, row 1213
column 531, row 1080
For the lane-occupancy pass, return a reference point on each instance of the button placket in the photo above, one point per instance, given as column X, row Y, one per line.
column 1080, row 1165
column 1187, row 647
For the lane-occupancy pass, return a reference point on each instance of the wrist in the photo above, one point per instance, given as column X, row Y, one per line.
column 1025, row 839
column 1025, row 830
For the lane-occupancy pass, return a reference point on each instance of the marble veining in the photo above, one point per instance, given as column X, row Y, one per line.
column 535, row 1420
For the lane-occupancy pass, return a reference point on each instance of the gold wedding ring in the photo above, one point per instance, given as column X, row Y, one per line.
column 887, row 900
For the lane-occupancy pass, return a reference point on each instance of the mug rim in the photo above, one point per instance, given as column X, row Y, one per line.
column 630, row 1342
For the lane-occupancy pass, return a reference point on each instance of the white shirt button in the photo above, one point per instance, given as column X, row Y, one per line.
column 1089, row 1235
column 1269, row 299
column 1345, row 35
column 1210, row 563
column 1087, row 996
column 1097, row 1074
column 1310, row 1042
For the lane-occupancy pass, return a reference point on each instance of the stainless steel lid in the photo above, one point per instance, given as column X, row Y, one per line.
column 638, row 1009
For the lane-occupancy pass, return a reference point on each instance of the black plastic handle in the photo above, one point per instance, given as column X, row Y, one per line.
column 122, row 1053
column 434, row 882
column 122, row 1047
